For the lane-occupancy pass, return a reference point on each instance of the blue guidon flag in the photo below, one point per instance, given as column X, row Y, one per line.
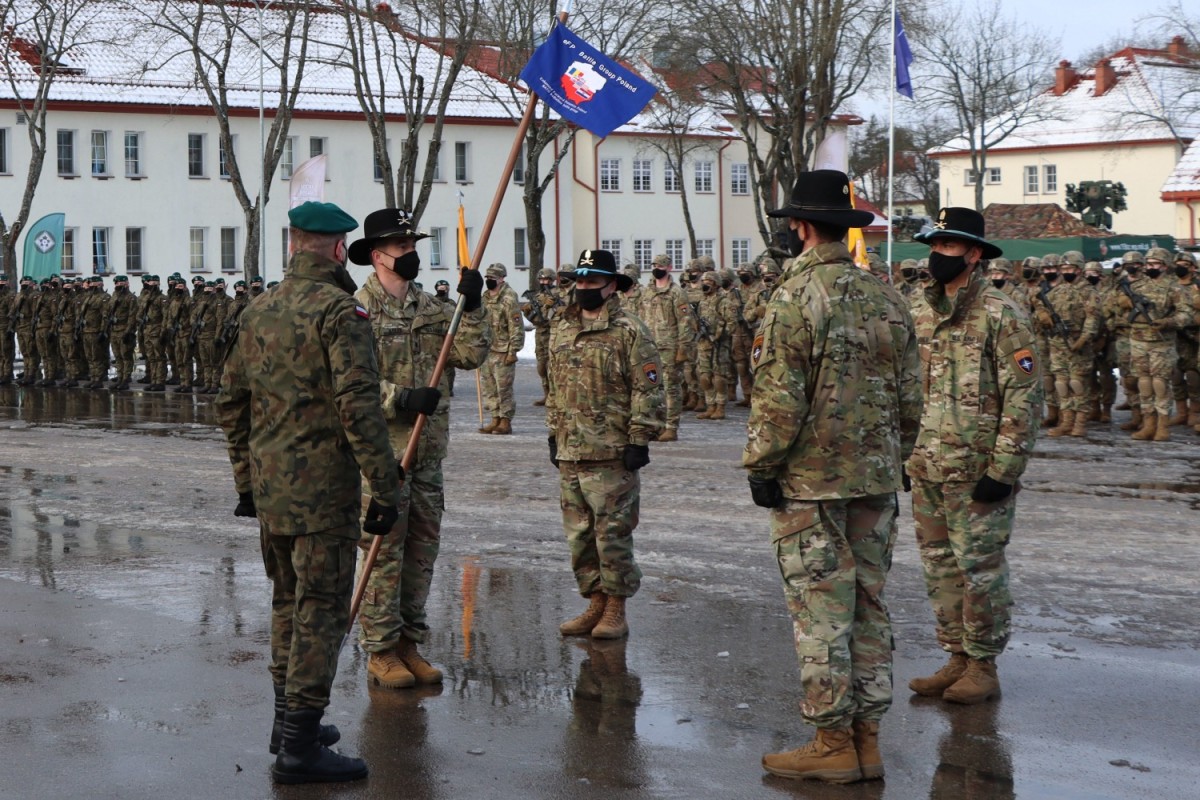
column 583, row 85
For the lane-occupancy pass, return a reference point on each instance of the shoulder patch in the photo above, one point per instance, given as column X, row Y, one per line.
column 756, row 349
column 362, row 312
column 651, row 371
column 1025, row 360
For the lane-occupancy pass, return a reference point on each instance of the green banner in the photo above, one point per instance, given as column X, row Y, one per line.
column 43, row 247
column 1094, row 248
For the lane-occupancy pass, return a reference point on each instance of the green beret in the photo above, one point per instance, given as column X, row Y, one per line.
column 321, row 218
column 272, row 283
column 121, row 279
column 210, row 283
column 196, row 279
column 239, row 284
column 219, row 281
column 256, row 279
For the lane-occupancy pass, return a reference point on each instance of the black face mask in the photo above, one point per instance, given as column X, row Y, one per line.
column 1029, row 273
column 945, row 268
column 1182, row 272
column 999, row 282
column 659, row 273
column 909, row 274
column 443, row 292
column 1153, row 273
column 746, row 279
column 794, row 242
column 544, row 287
column 1132, row 272
column 1093, row 279
column 708, row 288
column 923, row 275
column 239, row 292
column 1050, row 277
column 491, row 283
column 407, row 266
column 589, row 299
column 1070, row 277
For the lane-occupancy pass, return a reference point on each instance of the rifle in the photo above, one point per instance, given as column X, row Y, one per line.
column 1141, row 306
column 1060, row 327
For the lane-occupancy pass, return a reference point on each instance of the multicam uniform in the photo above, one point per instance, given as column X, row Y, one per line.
column 747, row 295
column 508, row 337
column 712, row 350
column 1152, row 354
column 836, row 408
column 539, row 309
column 1185, row 380
column 672, row 325
column 1071, row 357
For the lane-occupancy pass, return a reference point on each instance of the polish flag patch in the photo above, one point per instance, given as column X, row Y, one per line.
column 362, row 312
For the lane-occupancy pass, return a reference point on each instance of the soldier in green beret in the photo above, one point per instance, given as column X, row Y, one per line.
column 123, row 331
column 299, row 403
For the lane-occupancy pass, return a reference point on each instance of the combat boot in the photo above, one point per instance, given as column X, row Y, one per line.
column 1066, row 421
column 1080, row 429
column 866, row 745
column 504, row 428
column 943, row 679
column 829, row 757
column 1124, row 406
column 743, row 403
column 424, row 672
column 1181, row 414
column 1095, row 414
column 1149, row 426
column 1194, row 413
column 1163, row 432
column 328, row 735
column 718, row 412
column 1134, row 423
column 583, row 624
column 979, row 683
column 541, row 401
column 668, row 435
column 706, row 413
column 1106, row 412
column 303, row 759
column 612, row 625
column 489, row 428
column 699, row 404
column 173, row 380
column 1051, row 419
column 387, row 670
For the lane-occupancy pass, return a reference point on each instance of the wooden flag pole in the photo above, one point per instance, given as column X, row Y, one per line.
column 410, row 452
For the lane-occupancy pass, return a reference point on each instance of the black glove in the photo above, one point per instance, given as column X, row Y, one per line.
column 380, row 518
column 422, row 400
column 553, row 442
column 470, row 286
column 636, row 456
column 766, row 492
column 245, row 506
column 990, row 491
column 904, row 479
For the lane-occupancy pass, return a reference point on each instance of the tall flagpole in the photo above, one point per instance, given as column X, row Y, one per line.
column 891, row 171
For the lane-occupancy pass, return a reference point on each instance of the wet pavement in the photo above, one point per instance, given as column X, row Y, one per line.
column 133, row 628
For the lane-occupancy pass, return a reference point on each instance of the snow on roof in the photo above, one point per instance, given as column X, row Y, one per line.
column 1143, row 106
column 1186, row 176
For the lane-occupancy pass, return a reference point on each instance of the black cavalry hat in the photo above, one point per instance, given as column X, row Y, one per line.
column 823, row 195
column 387, row 223
column 960, row 223
column 602, row 263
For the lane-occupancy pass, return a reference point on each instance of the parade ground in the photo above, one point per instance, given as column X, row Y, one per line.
column 134, row 627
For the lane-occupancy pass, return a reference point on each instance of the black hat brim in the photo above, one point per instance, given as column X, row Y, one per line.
column 359, row 251
column 842, row 218
column 989, row 250
column 623, row 280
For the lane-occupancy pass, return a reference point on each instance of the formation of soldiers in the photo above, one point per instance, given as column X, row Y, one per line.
column 72, row 333
column 1141, row 318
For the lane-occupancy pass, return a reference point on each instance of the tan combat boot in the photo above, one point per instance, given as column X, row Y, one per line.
column 1106, row 413
column 1134, row 423
column 1162, row 432
column 541, row 401
column 1051, row 419
column 866, row 744
column 829, row 757
column 489, row 428
column 1095, row 414
column 743, row 403
column 1194, row 414
column 943, row 679
column 612, row 625
column 1080, row 428
column 1149, row 426
column 718, row 412
column 1123, row 406
column 1181, row 414
column 668, row 435
column 978, row 684
column 387, row 670
column 1066, row 421
column 706, row 413
column 504, row 428
column 583, row 624
column 422, row 670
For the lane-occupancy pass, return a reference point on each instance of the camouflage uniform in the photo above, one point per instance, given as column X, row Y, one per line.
column 539, row 309
column 1103, row 384
column 1071, row 357
column 604, row 394
column 123, row 326
column 1051, row 263
column 672, row 325
column 1186, row 378
column 299, row 404
column 153, row 319
column 837, row 404
column 1118, row 319
column 982, row 403
column 179, row 328
column 631, row 298
column 46, row 331
column 732, row 307
column 65, row 321
column 24, row 309
column 508, row 337
column 712, row 351
column 747, row 298
column 408, row 338
column 1152, row 354
column 205, row 315
column 8, row 348
column 95, row 312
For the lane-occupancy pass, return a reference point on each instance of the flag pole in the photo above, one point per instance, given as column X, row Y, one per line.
column 410, row 452
column 891, row 171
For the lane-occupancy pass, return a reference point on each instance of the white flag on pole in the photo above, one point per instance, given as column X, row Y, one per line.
column 833, row 152
column 308, row 182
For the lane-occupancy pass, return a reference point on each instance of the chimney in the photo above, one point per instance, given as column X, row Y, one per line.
column 1106, row 77
column 1178, row 48
column 1064, row 78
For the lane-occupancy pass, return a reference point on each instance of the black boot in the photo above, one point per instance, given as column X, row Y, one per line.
column 303, row 759
column 328, row 736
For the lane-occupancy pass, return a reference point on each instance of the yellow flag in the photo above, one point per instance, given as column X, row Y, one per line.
column 855, row 241
column 464, row 253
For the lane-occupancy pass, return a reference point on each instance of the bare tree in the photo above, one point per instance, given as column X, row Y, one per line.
column 223, row 40
column 916, row 172
column 38, row 38
column 989, row 71
column 401, row 52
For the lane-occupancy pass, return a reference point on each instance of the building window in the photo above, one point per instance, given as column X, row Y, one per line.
column 1050, row 179
column 133, row 155
column 68, row 251
column 196, row 249
column 224, row 158
column 993, row 176
column 741, row 252
column 704, row 247
column 671, row 177
column 287, row 159
column 100, row 154
column 195, row 155
column 133, row 250
column 739, row 179
column 643, row 175
column 1031, row 180
column 316, row 147
column 643, row 253
column 4, row 151
column 674, row 250
column 436, row 237
column 518, row 176
column 520, row 250
column 613, row 246
column 377, row 168
column 462, row 162
column 66, row 154
column 610, row 174
column 100, row 241
column 704, row 176
column 229, row 249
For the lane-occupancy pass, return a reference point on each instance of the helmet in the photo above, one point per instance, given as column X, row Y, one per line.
column 1074, row 258
column 712, row 277
column 1051, row 260
column 661, row 260
column 632, row 271
column 1000, row 265
column 1033, row 262
column 1186, row 258
column 706, row 263
column 729, row 275
column 1093, row 268
column 545, row 274
column 1158, row 254
column 770, row 266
